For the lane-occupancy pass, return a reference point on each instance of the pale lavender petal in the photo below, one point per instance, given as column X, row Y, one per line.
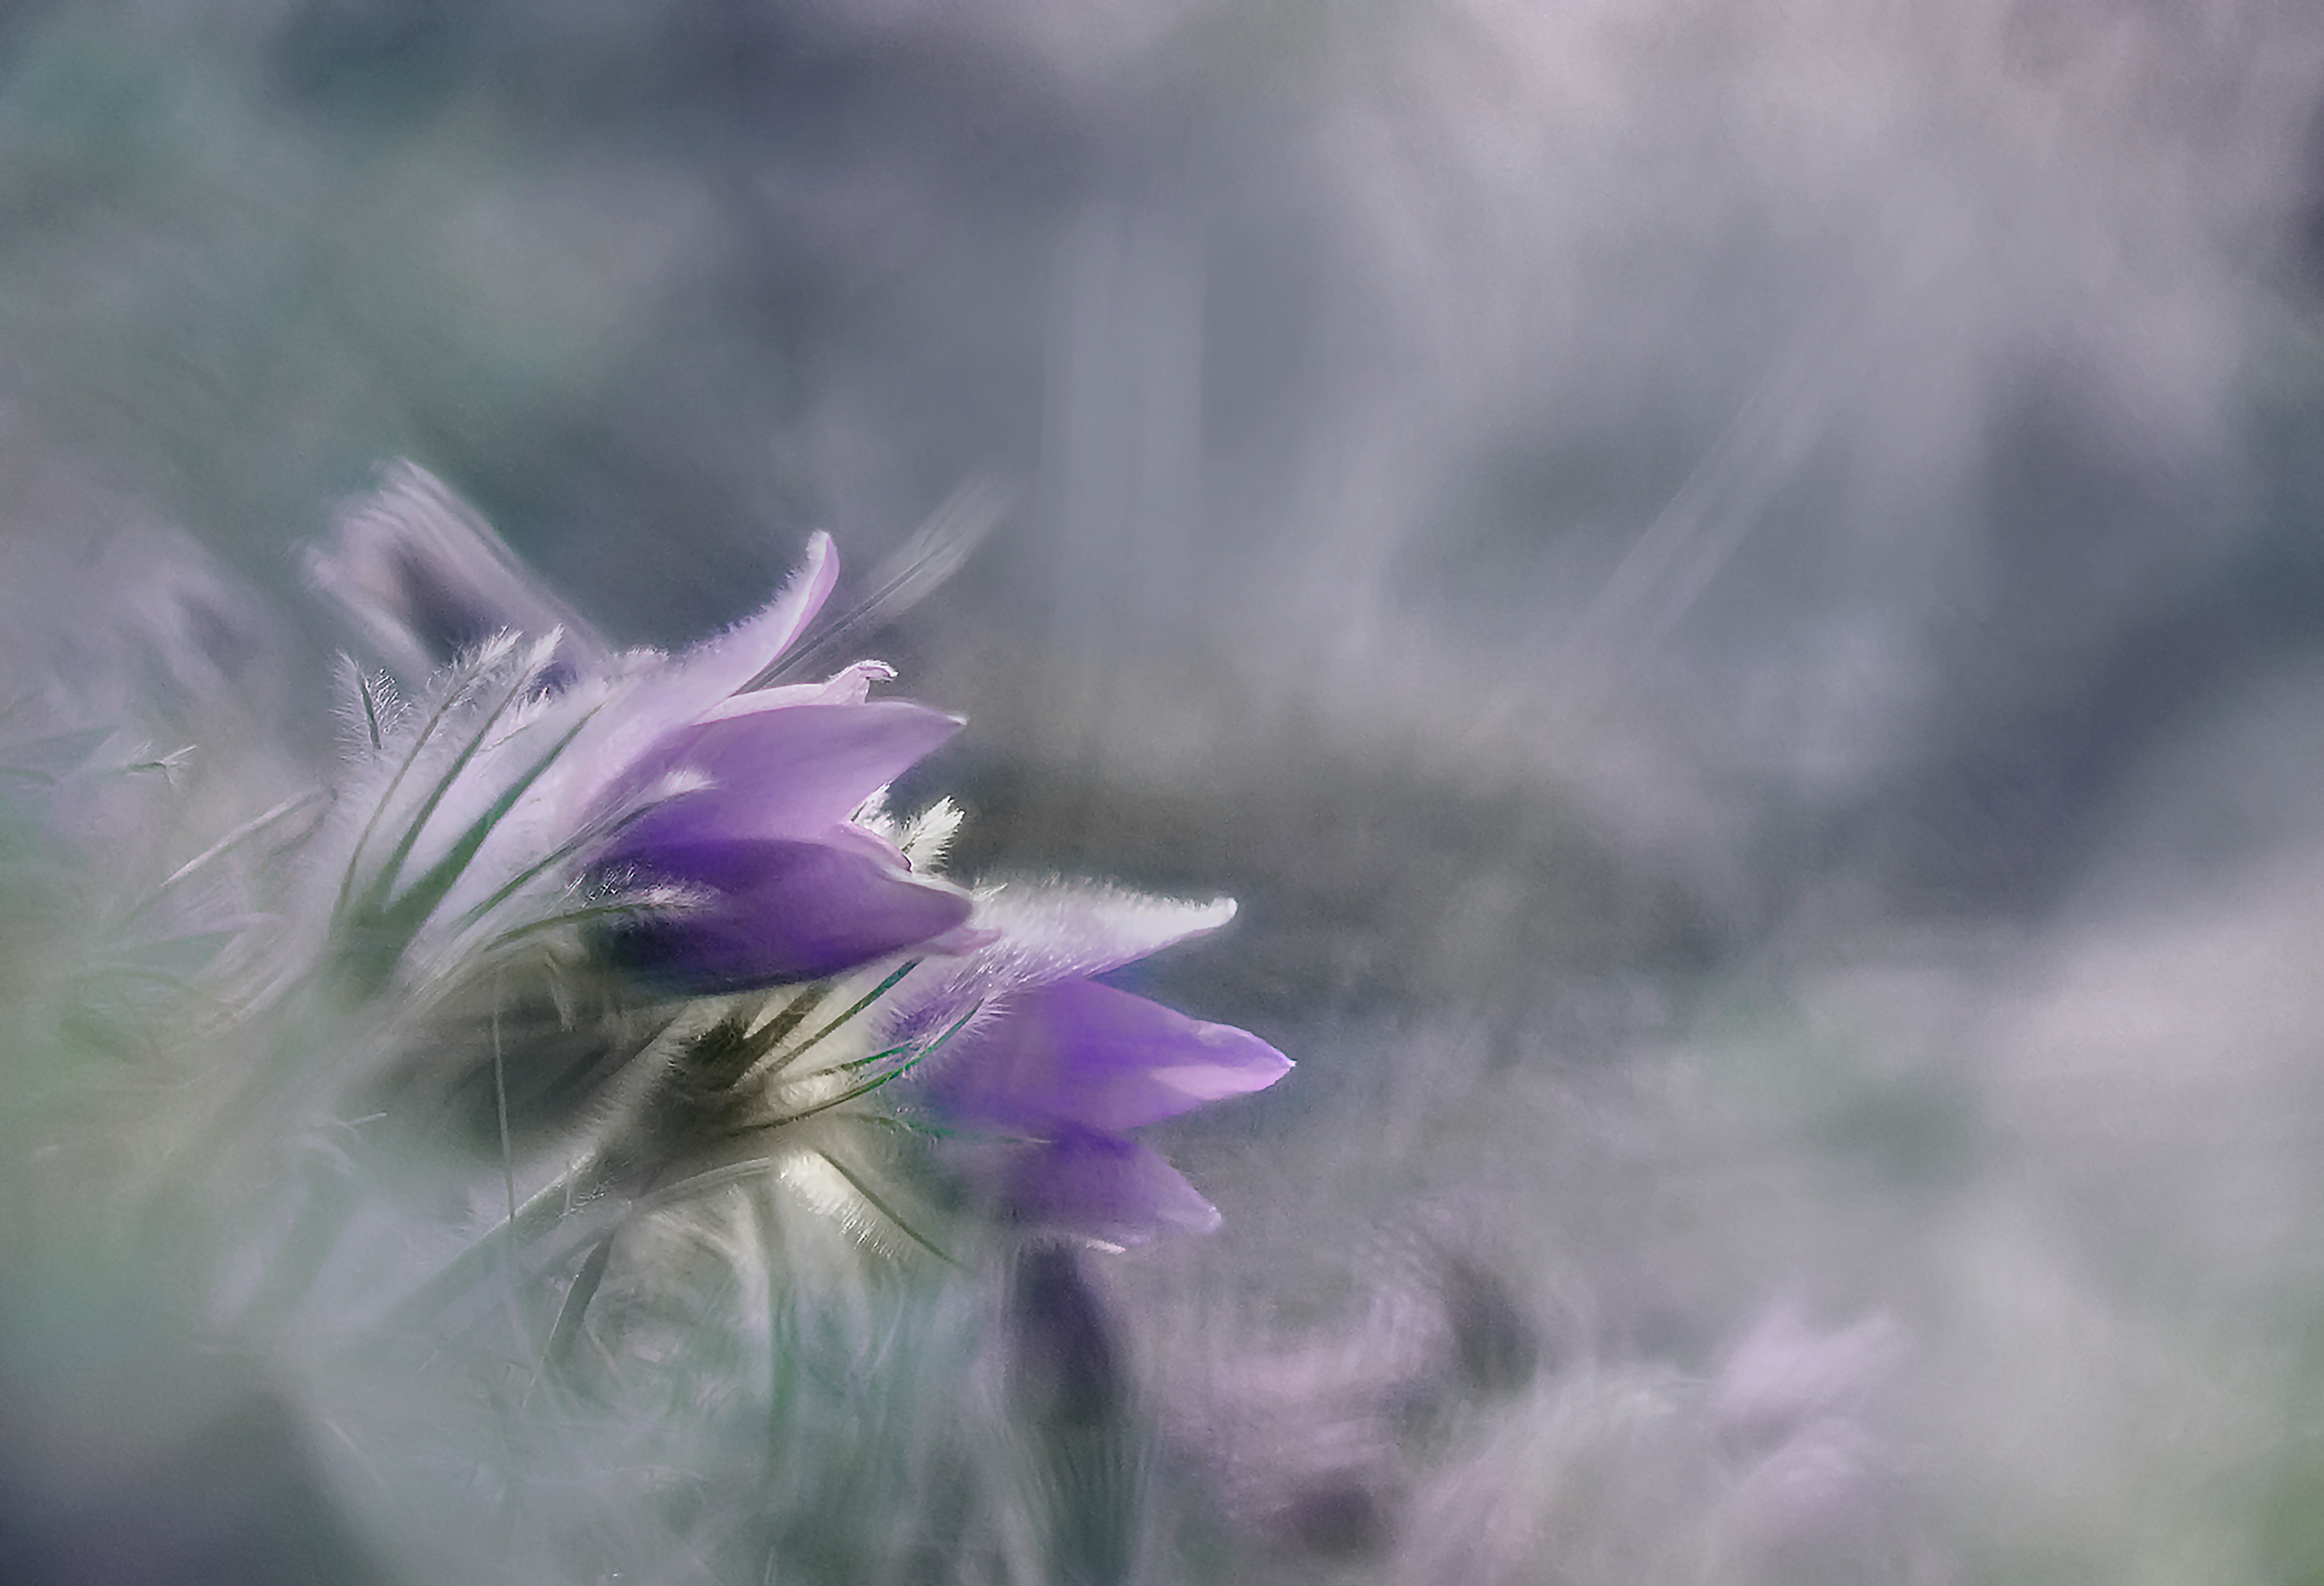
column 1050, row 932
column 717, row 667
column 1102, row 1187
column 797, row 771
column 1084, row 1054
column 775, row 912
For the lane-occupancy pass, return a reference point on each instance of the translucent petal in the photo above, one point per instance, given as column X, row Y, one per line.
column 1084, row 1054
column 1102, row 1187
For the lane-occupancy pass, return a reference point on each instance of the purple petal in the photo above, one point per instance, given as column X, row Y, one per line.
column 1085, row 1054
column 792, row 771
column 651, row 696
column 778, row 911
column 1102, row 1187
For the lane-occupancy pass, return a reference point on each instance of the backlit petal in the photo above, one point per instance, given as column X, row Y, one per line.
column 1085, row 1054
column 1102, row 1187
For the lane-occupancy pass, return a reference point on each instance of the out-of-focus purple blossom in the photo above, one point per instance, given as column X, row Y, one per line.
column 1794, row 1407
column 1787, row 1372
column 426, row 578
column 1060, row 1065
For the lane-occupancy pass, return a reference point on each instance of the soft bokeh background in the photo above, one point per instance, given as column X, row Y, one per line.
column 1736, row 589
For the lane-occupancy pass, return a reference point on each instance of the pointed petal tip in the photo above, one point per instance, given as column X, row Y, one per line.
column 1221, row 1062
column 811, row 582
column 1201, row 918
column 818, row 563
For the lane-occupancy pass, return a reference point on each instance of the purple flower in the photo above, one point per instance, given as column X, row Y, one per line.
column 1053, row 1068
column 714, row 825
column 743, row 812
column 718, row 814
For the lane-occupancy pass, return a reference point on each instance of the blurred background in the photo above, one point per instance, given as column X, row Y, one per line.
column 1736, row 590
